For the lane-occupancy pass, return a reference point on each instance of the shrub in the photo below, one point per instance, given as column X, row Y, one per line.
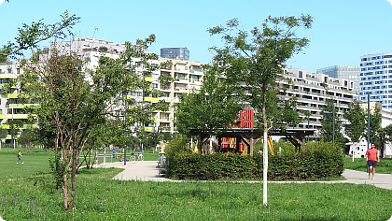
column 319, row 160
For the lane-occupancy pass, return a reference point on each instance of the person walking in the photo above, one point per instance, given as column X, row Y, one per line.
column 372, row 157
column 19, row 157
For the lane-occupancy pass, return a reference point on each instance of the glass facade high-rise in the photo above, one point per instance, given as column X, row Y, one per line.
column 175, row 53
column 346, row 72
column 376, row 78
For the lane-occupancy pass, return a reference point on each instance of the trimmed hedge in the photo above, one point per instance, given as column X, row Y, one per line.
column 317, row 161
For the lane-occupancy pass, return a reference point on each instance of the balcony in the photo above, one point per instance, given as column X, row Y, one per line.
column 20, row 105
column 7, row 76
column 165, row 88
column 9, row 137
column 151, row 99
column 165, row 119
column 182, row 79
column 17, row 96
column 25, row 126
column 166, row 99
column 17, row 116
column 165, row 128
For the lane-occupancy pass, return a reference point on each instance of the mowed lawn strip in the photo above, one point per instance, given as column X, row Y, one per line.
column 360, row 164
column 100, row 198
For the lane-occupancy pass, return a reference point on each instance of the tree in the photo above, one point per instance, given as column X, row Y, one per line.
column 29, row 36
column 27, row 138
column 387, row 135
column 375, row 129
column 75, row 103
column 328, row 122
column 3, row 135
column 212, row 109
column 254, row 61
column 356, row 123
column 15, row 126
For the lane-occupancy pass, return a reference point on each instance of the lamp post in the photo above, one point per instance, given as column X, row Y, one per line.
column 368, row 138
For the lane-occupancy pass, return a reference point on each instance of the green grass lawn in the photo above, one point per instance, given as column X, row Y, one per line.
column 360, row 164
column 100, row 198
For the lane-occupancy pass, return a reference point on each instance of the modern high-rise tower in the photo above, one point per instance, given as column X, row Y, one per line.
column 376, row 78
column 175, row 53
column 346, row 72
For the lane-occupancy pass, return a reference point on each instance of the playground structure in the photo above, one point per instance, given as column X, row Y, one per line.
column 242, row 136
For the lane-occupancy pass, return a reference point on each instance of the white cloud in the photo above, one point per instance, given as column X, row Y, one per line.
column 390, row 1
column 1, row 1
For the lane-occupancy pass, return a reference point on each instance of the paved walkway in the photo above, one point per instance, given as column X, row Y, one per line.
column 147, row 171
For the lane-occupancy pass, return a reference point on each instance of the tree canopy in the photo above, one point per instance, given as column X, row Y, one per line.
column 212, row 108
column 75, row 103
column 254, row 61
column 29, row 36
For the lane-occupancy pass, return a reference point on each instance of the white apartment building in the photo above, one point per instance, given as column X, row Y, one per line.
column 376, row 78
column 312, row 90
column 187, row 75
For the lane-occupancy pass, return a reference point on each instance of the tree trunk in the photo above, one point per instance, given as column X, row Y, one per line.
column 65, row 192
column 73, row 179
column 354, row 146
column 265, row 158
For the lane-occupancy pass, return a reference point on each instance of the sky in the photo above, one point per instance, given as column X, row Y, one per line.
column 342, row 31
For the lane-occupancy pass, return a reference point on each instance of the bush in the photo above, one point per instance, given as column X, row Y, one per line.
column 319, row 160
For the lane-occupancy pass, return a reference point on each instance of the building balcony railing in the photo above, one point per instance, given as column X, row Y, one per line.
column 149, row 79
column 165, row 128
column 17, row 96
column 17, row 116
column 181, row 79
column 151, row 99
column 165, row 119
column 9, row 137
column 25, row 126
column 167, row 99
column 19, row 105
column 7, row 76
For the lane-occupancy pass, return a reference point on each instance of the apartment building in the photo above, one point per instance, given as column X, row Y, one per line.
column 376, row 78
column 12, row 104
column 312, row 90
column 187, row 75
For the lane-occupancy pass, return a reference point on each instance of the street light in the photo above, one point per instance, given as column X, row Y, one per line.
column 333, row 122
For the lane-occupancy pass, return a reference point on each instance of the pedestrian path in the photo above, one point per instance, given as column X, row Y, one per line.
column 142, row 171
column 147, row 171
column 380, row 180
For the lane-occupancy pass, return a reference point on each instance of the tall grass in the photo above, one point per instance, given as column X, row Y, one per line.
column 24, row 197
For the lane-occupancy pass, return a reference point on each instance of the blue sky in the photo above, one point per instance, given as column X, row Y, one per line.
column 342, row 31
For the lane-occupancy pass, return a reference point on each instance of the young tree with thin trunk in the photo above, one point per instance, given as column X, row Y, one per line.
column 75, row 103
column 356, row 125
column 254, row 61
column 212, row 109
